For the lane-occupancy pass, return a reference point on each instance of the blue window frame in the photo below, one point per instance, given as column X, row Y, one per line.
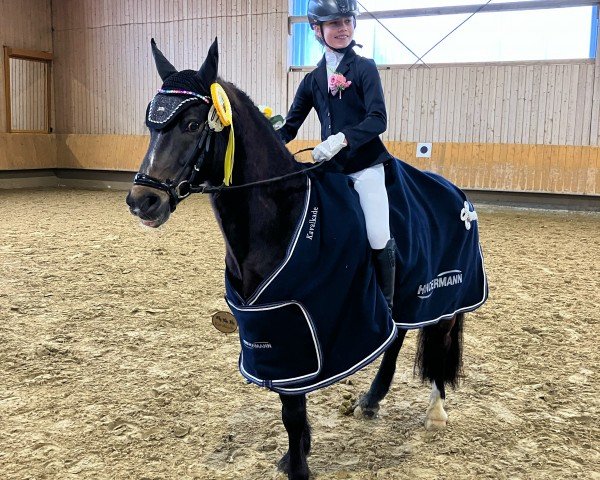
column 487, row 37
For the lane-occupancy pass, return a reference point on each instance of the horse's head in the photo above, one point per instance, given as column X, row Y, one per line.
column 188, row 121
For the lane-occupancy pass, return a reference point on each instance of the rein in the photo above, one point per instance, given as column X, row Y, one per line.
column 223, row 187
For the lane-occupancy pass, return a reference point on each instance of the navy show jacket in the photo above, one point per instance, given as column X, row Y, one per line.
column 359, row 114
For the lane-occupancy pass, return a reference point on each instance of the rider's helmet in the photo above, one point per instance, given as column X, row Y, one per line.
column 320, row 11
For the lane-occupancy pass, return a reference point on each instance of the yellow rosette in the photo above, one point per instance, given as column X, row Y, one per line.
column 223, row 108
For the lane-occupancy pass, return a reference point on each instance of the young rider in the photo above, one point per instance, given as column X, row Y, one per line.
column 352, row 113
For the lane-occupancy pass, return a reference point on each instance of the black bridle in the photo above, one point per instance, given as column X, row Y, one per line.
column 180, row 188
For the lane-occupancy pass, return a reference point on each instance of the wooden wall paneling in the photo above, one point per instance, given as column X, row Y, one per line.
column 532, row 98
column 405, row 105
column 584, row 105
column 436, row 105
column 513, row 105
column 568, row 129
column 500, row 167
column 521, row 99
column 579, row 164
column 575, row 72
column 517, row 106
column 504, row 105
column 543, row 101
column 430, row 88
column 527, row 103
column 466, row 159
column 421, row 105
column 559, row 95
column 463, row 101
column 518, row 168
column 491, row 105
column 443, row 75
column 562, row 104
column 478, row 104
column 469, row 99
column 450, row 104
column 477, row 113
column 550, row 91
column 427, row 114
column 568, row 179
column 594, row 173
column 588, row 163
column 595, row 121
column 438, row 76
column 499, row 101
column 556, row 103
column 583, row 155
column 455, row 103
column 533, row 119
column 399, row 104
column 413, row 96
column 425, row 111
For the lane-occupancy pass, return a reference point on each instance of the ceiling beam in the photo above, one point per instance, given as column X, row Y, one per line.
column 460, row 9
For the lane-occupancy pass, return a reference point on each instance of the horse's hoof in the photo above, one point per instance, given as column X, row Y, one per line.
column 365, row 410
column 436, row 417
column 283, row 465
column 436, row 420
column 434, row 424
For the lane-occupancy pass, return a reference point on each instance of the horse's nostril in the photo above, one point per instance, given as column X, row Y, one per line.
column 150, row 200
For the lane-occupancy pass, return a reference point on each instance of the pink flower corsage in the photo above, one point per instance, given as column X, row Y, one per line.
column 338, row 83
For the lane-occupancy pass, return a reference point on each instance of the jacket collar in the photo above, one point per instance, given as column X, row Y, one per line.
column 343, row 67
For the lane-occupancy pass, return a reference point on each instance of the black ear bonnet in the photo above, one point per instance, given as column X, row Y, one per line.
column 178, row 93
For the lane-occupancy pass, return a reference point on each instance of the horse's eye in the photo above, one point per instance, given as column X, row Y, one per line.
column 193, row 126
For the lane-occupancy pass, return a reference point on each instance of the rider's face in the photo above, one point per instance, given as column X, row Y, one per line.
column 338, row 33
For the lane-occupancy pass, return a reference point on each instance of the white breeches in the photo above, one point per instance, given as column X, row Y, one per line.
column 370, row 186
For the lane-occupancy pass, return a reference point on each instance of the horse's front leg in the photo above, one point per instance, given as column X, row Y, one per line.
column 369, row 402
column 293, row 413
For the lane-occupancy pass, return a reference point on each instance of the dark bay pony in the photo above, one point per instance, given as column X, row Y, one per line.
column 258, row 215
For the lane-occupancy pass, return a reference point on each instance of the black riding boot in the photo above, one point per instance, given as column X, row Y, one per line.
column 385, row 270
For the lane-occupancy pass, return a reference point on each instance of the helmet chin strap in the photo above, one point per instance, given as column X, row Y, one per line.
column 338, row 50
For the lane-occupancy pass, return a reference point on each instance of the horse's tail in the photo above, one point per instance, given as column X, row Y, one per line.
column 439, row 351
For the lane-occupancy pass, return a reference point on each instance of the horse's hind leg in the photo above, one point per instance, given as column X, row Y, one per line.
column 439, row 359
column 436, row 417
column 293, row 413
column 369, row 402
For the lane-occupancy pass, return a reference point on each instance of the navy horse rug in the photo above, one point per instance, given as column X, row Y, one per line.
column 320, row 315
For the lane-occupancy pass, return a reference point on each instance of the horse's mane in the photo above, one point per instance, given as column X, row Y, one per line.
column 246, row 107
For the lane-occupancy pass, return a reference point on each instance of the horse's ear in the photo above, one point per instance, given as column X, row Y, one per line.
column 164, row 67
column 208, row 70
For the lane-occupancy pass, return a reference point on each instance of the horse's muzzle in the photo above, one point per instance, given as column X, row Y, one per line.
column 150, row 205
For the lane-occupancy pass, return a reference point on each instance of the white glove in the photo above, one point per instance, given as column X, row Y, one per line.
column 327, row 149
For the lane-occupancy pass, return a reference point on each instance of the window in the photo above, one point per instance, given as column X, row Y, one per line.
column 28, row 89
column 544, row 34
